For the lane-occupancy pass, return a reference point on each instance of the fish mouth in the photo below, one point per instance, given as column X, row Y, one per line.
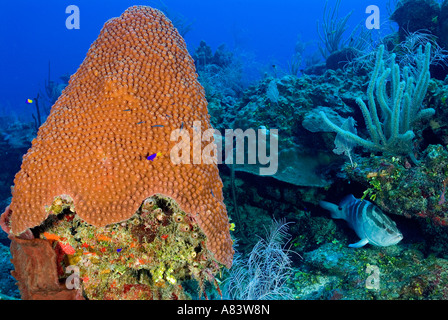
column 397, row 238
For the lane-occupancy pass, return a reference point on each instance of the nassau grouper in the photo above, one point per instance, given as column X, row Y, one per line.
column 369, row 222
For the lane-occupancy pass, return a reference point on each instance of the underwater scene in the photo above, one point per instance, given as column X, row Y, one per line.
column 224, row 150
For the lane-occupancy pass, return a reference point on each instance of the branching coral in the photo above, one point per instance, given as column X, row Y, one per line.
column 331, row 32
column 392, row 112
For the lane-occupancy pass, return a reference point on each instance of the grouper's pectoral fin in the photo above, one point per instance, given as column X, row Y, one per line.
column 359, row 244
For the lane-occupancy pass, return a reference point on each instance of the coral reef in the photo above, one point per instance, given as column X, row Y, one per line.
column 341, row 58
column 222, row 74
column 399, row 111
column 36, row 257
column 100, row 212
column 18, row 135
column 8, row 288
column 332, row 29
column 417, row 192
column 335, row 272
column 443, row 25
column 146, row 257
column 95, row 143
column 263, row 274
column 204, row 57
column 400, row 188
column 437, row 133
column 416, row 15
column 299, row 152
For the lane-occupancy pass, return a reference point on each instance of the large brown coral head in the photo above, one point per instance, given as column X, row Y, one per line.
column 136, row 85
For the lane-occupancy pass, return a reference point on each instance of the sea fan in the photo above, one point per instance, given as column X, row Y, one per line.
column 272, row 92
column 343, row 145
column 264, row 273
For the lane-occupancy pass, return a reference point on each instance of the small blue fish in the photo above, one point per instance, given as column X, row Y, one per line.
column 153, row 156
column 157, row 126
column 118, row 250
column 368, row 221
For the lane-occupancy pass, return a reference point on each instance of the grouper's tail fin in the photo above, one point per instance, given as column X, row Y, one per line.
column 335, row 210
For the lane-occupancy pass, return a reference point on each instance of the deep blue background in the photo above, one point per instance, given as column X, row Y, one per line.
column 32, row 33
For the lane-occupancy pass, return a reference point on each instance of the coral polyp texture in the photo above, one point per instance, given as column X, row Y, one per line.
column 136, row 85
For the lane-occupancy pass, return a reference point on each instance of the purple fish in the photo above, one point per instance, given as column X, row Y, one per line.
column 153, row 156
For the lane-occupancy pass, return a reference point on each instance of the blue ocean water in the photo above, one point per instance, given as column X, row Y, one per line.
column 394, row 155
column 34, row 34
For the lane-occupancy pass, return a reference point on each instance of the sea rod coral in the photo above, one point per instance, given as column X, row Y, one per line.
column 136, row 85
column 389, row 117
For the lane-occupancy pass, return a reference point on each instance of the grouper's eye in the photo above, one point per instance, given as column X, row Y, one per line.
column 340, row 208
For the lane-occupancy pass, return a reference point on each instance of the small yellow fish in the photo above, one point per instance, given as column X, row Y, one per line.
column 29, row 101
column 232, row 227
